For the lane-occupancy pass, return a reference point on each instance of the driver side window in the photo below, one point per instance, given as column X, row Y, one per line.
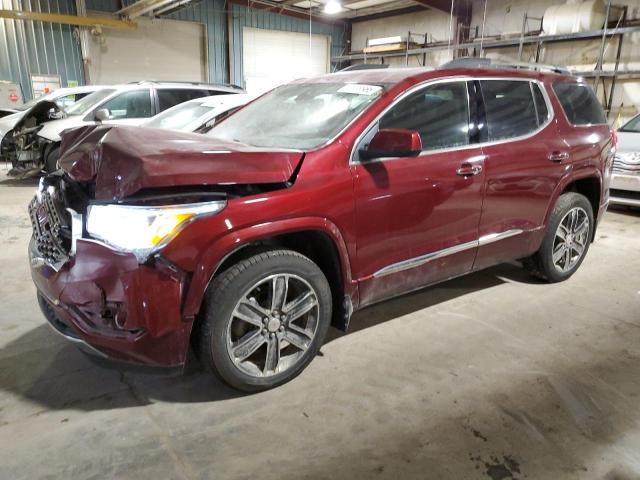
column 133, row 104
column 439, row 113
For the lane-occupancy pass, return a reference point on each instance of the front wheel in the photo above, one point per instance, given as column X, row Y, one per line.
column 51, row 159
column 264, row 320
column 566, row 241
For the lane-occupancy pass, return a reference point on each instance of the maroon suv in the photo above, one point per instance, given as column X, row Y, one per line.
column 319, row 198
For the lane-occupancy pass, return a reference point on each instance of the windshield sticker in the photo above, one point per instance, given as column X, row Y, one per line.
column 359, row 89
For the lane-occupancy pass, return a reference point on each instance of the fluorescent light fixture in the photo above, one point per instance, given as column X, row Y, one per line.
column 332, row 7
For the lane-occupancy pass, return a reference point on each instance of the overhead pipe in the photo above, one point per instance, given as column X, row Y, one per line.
column 143, row 6
column 170, row 7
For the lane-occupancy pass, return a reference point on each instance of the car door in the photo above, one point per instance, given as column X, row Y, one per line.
column 131, row 107
column 525, row 159
column 417, row 217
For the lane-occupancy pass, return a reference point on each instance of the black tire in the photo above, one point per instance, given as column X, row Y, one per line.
column 235, row 284
column 51, row 159
column 541, row 264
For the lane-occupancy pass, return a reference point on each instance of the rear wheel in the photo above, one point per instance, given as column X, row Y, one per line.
column 566, row 241
column 265, row 318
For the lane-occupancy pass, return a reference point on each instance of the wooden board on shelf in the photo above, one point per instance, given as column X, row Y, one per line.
column 390, row 47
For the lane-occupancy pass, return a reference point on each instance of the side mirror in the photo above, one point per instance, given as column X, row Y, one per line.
column 102, row 115
column 393, row 142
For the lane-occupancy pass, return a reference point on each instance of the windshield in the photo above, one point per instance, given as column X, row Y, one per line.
column 85, row 104
column 178, row 117
column 632, row 125
column 298, row 116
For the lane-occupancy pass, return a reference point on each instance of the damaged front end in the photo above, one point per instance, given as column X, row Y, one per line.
column 23, row 147
column 101, row 222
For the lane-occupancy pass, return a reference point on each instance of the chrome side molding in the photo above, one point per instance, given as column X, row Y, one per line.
column 422, row 259
column 496, row 237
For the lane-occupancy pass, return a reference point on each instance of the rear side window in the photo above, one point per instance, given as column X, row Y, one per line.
column 579, row 104
column 169, row 97
column 220, row 92
column 510, row 108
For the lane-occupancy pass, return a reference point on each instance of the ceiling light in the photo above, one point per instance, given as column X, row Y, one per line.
column 332, row 7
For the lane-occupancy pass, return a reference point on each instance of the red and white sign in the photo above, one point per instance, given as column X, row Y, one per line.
column 13, row 97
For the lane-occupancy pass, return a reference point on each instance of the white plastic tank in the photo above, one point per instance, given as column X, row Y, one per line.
column 574, row 16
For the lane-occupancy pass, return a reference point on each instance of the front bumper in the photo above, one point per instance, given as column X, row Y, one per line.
column 107, row 303
column 625, row 189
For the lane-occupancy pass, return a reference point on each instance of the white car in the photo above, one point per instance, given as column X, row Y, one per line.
column 130, row 104
column 625, row 181
column 62, row 97
column 199, row 115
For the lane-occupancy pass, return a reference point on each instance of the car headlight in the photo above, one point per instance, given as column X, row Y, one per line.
column 143, row 230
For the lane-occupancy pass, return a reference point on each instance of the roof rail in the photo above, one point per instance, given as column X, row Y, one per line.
column 365, row 66
column 184, row 82
column 473, row 62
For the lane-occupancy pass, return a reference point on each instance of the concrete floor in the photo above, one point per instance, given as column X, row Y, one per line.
column 490, row 376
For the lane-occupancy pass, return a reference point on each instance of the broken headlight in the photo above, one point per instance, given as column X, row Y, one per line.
column 144, row 230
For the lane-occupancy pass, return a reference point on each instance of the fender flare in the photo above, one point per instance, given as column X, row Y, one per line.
column 224, row 247
column 569, row 178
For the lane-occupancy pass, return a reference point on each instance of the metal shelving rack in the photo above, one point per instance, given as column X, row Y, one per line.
column 476, row 47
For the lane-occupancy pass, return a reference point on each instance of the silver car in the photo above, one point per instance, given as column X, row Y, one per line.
column 625, row 182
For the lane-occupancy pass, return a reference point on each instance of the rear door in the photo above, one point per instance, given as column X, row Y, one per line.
column 417, row 217
column 525, row 159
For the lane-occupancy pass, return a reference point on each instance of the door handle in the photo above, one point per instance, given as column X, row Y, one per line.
column 557, row 156
column 467, row 170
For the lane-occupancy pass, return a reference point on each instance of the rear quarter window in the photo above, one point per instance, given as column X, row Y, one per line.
column 579, row 104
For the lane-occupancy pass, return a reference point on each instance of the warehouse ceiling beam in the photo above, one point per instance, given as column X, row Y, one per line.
column 82, row 21
column 142, row 7
column 296, row 12
column 390, row 7
column 173, row 6
column 442, row 5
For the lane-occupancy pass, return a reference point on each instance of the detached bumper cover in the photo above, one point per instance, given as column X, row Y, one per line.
column 121, row 309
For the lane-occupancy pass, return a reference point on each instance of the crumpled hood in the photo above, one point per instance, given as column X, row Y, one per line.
column 123, row 160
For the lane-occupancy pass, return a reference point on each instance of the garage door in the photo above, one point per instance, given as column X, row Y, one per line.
column 271, row 57
column 158, row 50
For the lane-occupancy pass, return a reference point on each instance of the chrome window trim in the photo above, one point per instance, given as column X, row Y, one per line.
column 422, row 259
column 464, row 78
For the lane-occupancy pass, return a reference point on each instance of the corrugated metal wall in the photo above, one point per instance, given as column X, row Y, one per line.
column 209, row 12
column 257, row 18
column 35, row 47
column 29, row 48
column 212, row 14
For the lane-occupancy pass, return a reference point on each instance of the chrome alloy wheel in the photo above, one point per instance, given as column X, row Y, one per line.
column 571, row 239
column 272, row 325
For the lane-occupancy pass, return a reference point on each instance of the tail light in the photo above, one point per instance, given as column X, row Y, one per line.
column 614, row 139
